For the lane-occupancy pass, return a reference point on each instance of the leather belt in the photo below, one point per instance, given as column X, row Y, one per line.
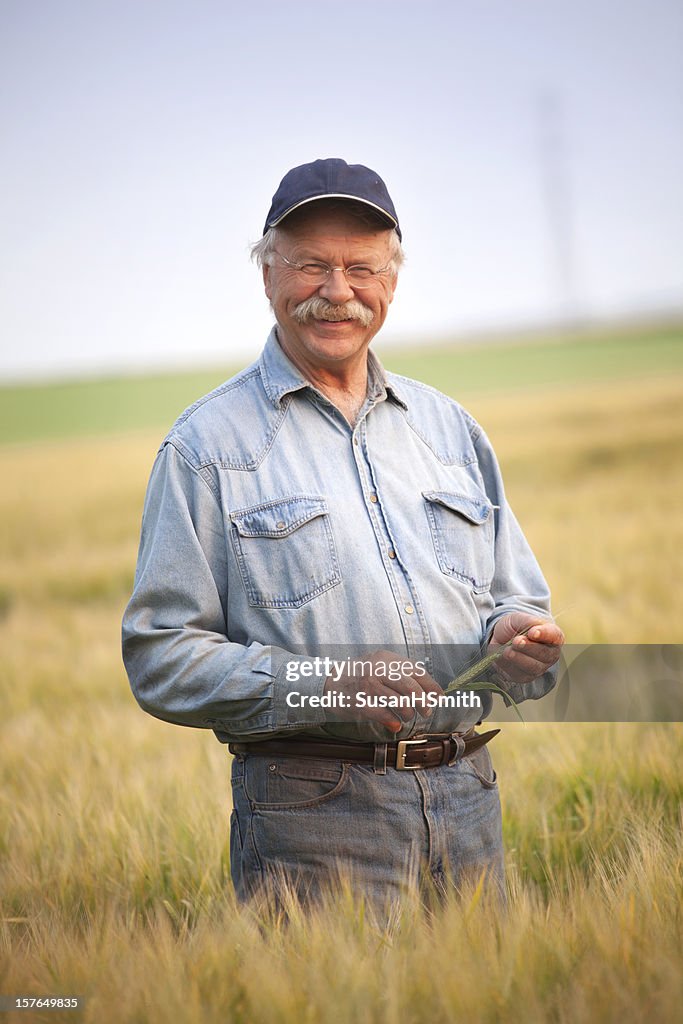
column 406, row 755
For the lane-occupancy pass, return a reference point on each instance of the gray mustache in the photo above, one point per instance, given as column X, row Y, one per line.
column 316, row 308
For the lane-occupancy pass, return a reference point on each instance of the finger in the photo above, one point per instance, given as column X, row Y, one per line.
column 522, row 668
column 382, row 716
column 418, row 672
column 426, row 683
column 354, row 710
column 422, row 699
column 546, row 633
column 412, row 678
column 411, row 685
column 546, row 654
column 410, row 705
column 520, row 623
column 380, row 702
column 388, row 719
column 514, row 623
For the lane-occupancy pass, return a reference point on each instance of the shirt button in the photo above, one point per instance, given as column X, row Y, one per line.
column 391, row 553
column 373, row 499
column 409, row 609
column 355, row 440
column 281, row 525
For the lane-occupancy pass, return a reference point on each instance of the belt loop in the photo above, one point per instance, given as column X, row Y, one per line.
column 379, row 765
column 459, row 748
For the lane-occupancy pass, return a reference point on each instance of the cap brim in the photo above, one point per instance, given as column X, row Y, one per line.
column 391, row 222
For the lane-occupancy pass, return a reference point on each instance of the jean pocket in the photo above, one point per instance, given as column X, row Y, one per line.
column 462, row 531
column 285, row 551
column 291, row 782
column 480, row 764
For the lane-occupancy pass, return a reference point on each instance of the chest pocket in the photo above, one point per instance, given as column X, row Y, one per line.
column 285, row 551
column 463, row 535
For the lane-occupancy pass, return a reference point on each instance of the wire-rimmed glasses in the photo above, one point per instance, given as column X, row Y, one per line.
column 315, row 273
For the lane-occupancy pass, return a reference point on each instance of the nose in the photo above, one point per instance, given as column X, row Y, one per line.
column 336, row 288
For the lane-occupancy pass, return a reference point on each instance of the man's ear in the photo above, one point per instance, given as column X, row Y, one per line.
column 393, row 281
column 265, row 269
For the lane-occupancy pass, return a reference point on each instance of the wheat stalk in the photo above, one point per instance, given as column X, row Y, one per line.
column 468, row 680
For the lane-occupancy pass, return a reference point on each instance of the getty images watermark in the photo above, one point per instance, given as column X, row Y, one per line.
column 390, row 671
column 590, row 683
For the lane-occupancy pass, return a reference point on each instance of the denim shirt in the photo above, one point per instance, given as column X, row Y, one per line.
column 272, row 527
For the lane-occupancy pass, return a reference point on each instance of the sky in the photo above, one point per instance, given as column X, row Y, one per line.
column 533, row 150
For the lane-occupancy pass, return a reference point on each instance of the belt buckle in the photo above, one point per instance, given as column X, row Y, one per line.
column 401, row 753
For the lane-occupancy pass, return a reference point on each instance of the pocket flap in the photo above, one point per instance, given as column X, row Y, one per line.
column 278, row 518
column 476, row 510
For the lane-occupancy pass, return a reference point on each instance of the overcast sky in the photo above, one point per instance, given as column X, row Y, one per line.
column 533, row 149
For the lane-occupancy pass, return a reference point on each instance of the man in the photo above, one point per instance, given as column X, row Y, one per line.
column 319, row 532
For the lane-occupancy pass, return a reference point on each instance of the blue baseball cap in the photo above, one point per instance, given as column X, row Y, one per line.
column 331, row 179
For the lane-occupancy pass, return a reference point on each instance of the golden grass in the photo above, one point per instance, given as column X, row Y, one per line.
column 115, row 889
column 113, row 839
column 595, row 478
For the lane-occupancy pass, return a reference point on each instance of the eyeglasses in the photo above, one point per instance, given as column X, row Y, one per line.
column 316, row 274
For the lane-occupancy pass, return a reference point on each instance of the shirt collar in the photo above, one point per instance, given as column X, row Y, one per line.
column 278, row 374
column 379, row 385
column 280, row 377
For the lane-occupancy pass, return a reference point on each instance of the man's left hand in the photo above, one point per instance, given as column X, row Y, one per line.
column 531, row 654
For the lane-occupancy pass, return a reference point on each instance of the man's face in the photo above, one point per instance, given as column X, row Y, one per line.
column 338, row 239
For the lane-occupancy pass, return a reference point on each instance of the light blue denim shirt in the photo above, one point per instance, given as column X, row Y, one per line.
column 272, row 526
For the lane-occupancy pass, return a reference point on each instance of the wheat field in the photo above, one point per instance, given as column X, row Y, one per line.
column 114, row 871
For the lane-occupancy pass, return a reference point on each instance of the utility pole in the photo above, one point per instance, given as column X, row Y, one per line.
column 556, row 187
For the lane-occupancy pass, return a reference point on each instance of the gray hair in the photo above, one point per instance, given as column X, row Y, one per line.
column 263, row 251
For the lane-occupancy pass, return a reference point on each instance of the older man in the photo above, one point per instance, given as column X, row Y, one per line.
column 321, row 541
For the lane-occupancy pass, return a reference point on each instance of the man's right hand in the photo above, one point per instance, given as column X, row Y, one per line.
column 388, row 675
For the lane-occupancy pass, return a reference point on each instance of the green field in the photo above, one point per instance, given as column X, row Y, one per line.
column 113, row 826
column 117, row 404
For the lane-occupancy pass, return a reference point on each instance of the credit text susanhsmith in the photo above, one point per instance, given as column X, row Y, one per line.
column 362, row 699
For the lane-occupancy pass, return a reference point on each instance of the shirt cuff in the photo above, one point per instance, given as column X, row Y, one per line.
column 299, row 683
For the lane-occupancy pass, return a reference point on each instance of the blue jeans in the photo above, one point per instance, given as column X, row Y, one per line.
column 306, row 820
